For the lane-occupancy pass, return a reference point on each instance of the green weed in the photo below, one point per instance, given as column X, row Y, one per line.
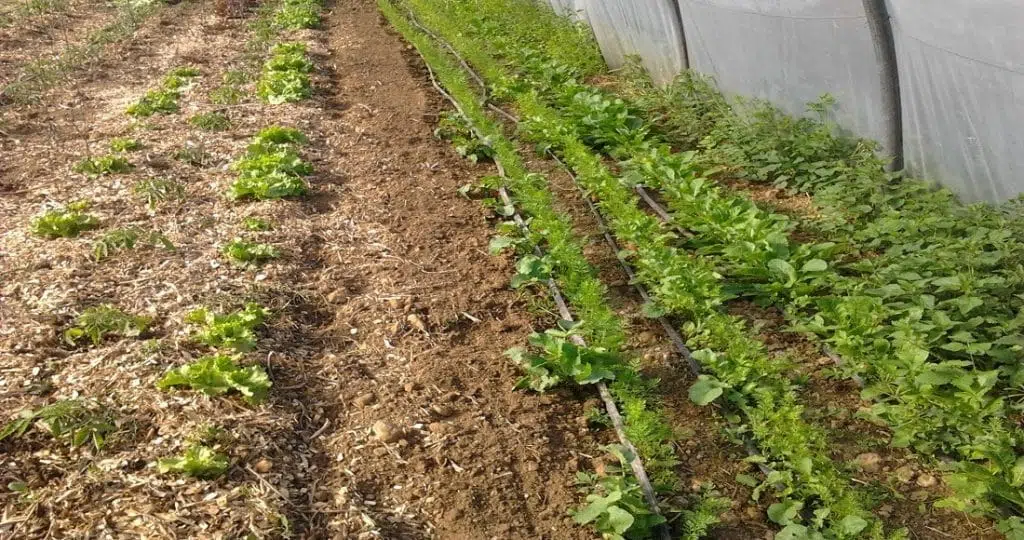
column 212, row 121
column 66, row 222
column 185, row 72
column 94, row 167
column 73, row 420
column 96, row 323
column 234, row 330
column 127, row 238
column 454, row 128
column 157, row 190
column 198, row 461
column 154, row 102
column 257, row 224
column 217, row 375
column 121, row 144
column 245, row 252
column 226, row 95
column 615, row 504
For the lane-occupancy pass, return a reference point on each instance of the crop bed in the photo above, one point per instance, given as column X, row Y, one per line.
column 425, row 269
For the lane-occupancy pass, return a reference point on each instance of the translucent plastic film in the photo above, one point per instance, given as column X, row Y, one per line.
column 961, row 78
column 790, row 52
column 647, row 28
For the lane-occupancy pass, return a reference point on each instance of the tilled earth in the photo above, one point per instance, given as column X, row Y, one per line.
column 387, row 312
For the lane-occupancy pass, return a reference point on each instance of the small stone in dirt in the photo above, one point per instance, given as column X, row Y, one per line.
column 416, row 322
column 868, row 462
column 647, row 337
column 364, row 400
column 395, row 303
column 438, row 427
column 411, row 386
column 905, row 474
column 336, row 295
column 926, row 480
column 441, row 410
column 386, row 432
column 450, row 396
column 263, row 466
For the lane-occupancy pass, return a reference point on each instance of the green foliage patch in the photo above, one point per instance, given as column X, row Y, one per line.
column 220, row 374
column 245, row 252
column 74, row 420
column 234, row 330
column 198, row 461
column 94, row 167
column 98, row 322
column 285, row 76
column 66, row 222
column 271, row 167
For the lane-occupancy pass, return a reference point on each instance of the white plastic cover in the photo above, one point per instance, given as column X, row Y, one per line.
column 570, row 8
column 647, row 28
column 790, row 52
column 961, row 71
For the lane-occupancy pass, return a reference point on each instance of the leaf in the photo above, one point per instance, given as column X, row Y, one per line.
column 852, row 525
column 706, row 390
column 619, row 519
column 784, row 512
column 499, row 244
column 814, row 265
column 782, row 270
column 746, row 480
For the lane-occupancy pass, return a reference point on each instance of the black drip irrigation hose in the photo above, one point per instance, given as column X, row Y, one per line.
column 635, row 462
column 674, row 336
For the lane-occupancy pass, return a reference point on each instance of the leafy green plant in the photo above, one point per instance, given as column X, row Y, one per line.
column 245, row 252
column 701, row 517
column 127, row 238
column 157, row 190
column 298, row 14
column 217, row 375
column 615, row 504
column 226, row 94
column 154, row 102
column 95, row 167
column 98, row 322
column 198, row 461
column 560, row 359
column 123, row 144
column 185, row 72
column 212, row 121
column 271, row 168
column 285, row 75
column 454, row 128
column 234, row 330
column 72, row 419
column 253, row 223
column 66, row 222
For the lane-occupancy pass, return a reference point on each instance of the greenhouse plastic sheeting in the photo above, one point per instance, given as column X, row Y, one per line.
column 961, row 71
column 570, row 8
column 647, row 28
column 790, row 52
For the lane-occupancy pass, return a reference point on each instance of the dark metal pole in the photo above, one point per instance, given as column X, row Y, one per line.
column 885, row 52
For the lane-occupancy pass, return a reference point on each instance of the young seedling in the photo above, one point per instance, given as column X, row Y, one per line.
column 244, row 252
column 122, row 144
column 219, row 374
column 66, row 222
column 198, row 461
column 155, row 101
column 127, row 238
column 96, row 323
column 257, row 224
column 94, row 167
column 74, row 420
column 559, row 359
column 213, row 121
column 157, row 190
column 235, row 330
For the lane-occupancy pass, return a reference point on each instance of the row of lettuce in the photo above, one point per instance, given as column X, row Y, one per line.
column 271, row 168
column 919, row 296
